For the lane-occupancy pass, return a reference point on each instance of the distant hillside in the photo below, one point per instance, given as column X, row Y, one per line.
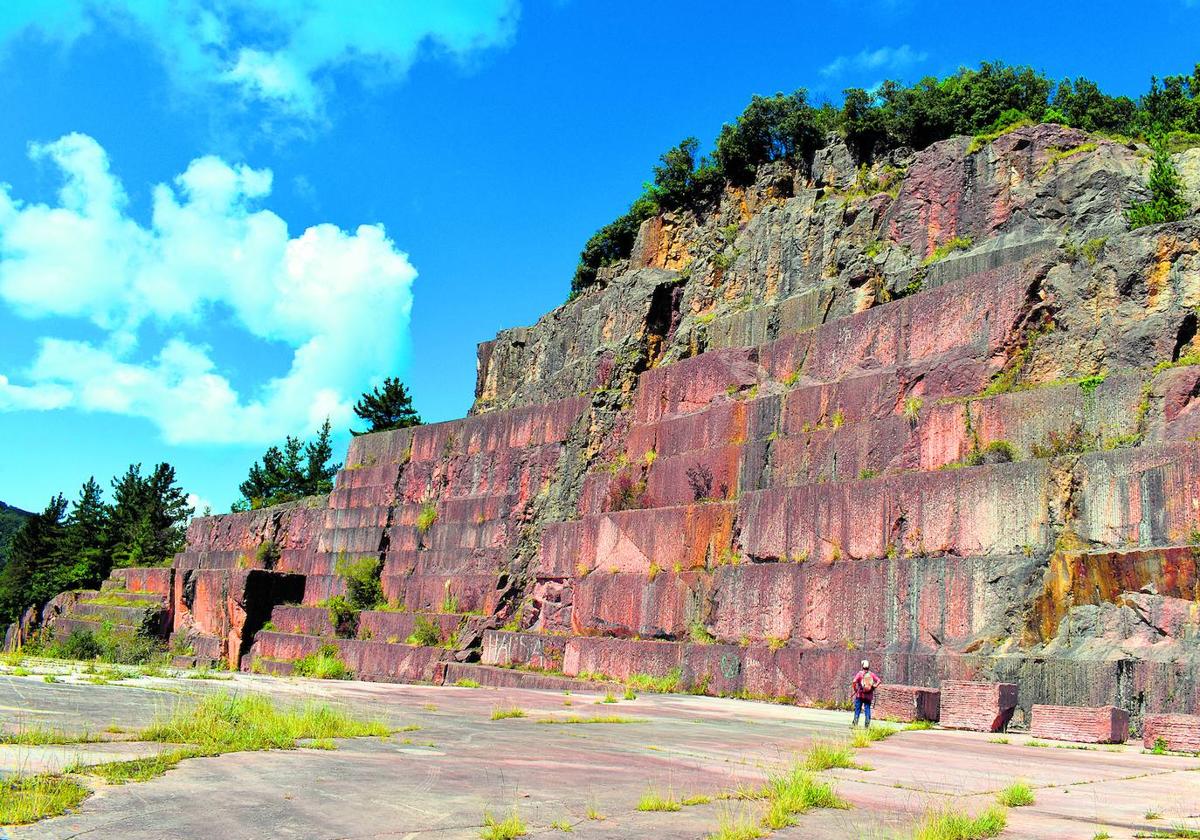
column 11, row 519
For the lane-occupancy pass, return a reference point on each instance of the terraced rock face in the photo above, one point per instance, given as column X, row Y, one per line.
column 948, row 424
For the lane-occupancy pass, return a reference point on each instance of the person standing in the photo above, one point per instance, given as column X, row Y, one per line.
column 865, row 682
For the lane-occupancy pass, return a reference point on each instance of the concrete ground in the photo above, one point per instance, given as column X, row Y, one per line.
column 439, row 780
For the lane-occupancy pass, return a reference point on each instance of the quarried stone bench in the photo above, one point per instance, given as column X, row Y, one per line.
column 906, row 703
column 979, row 706
column 1179, row 733
column 1088, row 724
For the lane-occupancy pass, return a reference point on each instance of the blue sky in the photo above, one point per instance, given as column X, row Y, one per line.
column 223, row 219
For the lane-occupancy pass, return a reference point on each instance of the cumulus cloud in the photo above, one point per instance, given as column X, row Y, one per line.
column 282, row 53
column 341, row 300
column 883, row 60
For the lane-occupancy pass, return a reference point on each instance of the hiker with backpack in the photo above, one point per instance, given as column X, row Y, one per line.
column 864, row 684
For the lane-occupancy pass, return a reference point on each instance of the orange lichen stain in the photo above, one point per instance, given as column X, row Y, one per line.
column 1167, row 250
column 1075, row 578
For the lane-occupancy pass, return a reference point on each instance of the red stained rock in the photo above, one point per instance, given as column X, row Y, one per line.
column 367, row 660
column 906, row 703
column 631, row 541
column 1146, row 495
column 535, row 650
column 983, row 510
column 1092, row 725
column 979, row 706
column 429, row 592
column 1179, row 733
column 156, row 580
column 231, row 604
column 310, row 621
column 692, row 384
column 632, row 605
column 395, row 627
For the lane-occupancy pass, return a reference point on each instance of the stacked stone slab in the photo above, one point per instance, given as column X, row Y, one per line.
column 1179, row 733
column 1094, row 725
column 784, row 435
column 906, row 703
column 979, row 706
column 131, row 601
column 441, row 508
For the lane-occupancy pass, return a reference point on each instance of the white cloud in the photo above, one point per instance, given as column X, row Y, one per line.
column 279, row 52
column 342, row 300
column 883, row 60
column 200, row 506
column 36, row 397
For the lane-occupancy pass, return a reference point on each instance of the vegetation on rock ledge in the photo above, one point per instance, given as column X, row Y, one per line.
column 982, row 102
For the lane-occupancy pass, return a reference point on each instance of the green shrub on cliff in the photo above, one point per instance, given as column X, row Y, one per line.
column 1166, row 203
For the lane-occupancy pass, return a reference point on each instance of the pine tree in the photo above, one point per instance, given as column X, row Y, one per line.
column 318, row 471
column 32, row 574
column 390, row 408
column 86, row 540
column 149, row 517
column 297, row 470
column 1166, row 203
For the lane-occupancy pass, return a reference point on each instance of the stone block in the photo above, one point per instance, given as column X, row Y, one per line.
column 309, row 621
column 158, row 580
column 692, row 384
column 633, row 605
column 979, row 706
column 906, row 703
column 1179, row 733
column 684, row 537
column 974, row 511
column 1089, row 725
column 393, row 627
column 535, row 650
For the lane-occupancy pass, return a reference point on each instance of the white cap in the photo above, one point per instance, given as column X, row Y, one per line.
column 866, row 664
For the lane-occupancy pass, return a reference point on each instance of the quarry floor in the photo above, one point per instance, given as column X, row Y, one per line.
column 439, row 780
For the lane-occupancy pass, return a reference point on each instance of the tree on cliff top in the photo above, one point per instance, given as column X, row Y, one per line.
column 297, row 470
column 979, row 101
column 387, row 409
column 149, row 517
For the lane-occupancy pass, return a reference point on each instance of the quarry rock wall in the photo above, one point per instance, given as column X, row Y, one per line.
column 948, row 425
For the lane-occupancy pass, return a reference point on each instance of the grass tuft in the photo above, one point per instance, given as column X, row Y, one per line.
column 667, row 684
column 236, row 723
column 27, row 799
column 949, row 824
column 652, row 800
column 506, row 829
column 322, row 665
column 826, row 755
column 794, row 792
column 1016, row 795
column 137, row 770
column 593, row 719
column 501, row 713
column 36, row 736
column 732, row 826
column 866, row 737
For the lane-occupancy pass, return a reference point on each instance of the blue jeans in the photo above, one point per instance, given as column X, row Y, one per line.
column 862, row 706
